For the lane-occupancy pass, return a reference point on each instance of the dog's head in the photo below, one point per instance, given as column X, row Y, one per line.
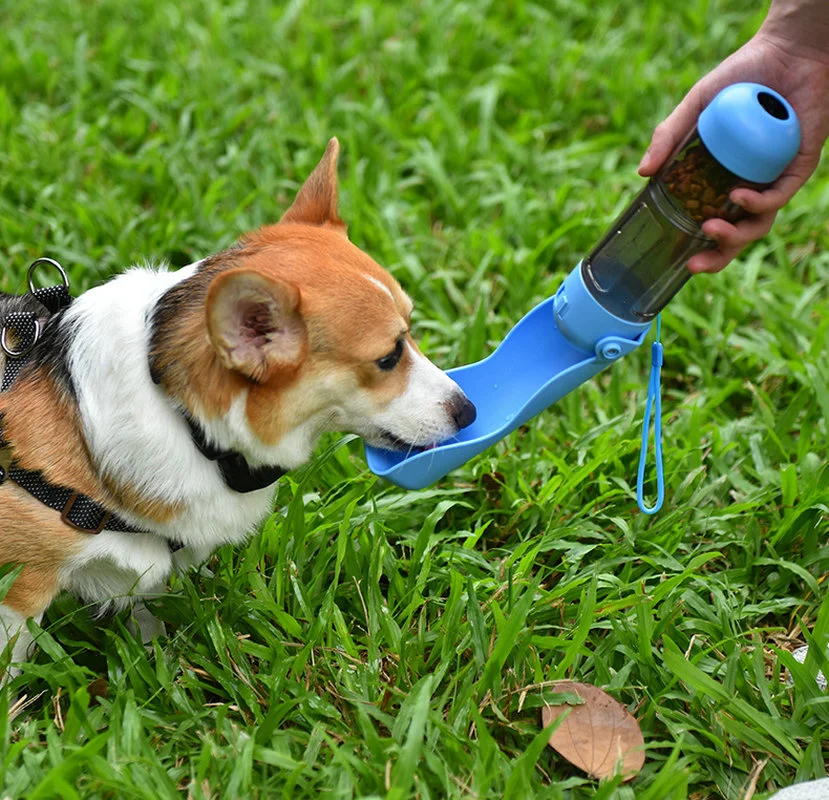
column 316, row 335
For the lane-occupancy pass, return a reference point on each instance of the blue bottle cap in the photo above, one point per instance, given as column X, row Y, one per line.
column 751, row 130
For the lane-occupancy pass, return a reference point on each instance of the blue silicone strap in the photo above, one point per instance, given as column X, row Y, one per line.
column 655, row 403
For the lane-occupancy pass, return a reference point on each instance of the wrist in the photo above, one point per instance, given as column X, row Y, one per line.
column 800, row 27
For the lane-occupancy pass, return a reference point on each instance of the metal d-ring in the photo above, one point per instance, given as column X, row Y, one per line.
column 33, row 269
column 24, row 351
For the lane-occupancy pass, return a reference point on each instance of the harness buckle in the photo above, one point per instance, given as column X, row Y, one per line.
column 30, row 277
column 64, row 516
column 26, row 348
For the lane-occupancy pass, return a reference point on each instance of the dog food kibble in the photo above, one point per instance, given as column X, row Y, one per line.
column 700, row 185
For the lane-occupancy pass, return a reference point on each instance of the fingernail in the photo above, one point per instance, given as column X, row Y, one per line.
column 696, row 268
column 736, row 200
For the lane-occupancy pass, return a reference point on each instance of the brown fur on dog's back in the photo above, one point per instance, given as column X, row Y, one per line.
column 55, row 447
column 32, row 534
column 53, row 444
column 34, row 537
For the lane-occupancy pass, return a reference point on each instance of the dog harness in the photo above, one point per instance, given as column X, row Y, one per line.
column 76, row 509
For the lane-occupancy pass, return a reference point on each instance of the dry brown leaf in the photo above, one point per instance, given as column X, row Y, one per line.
column 599, row 736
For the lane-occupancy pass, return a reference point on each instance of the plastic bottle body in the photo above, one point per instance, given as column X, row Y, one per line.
column 698, row 185
column 640, row 263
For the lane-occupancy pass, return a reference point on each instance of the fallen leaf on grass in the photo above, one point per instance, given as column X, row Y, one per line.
column 598, row 735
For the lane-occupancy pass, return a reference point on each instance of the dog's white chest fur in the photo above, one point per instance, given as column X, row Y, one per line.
column 137, row 436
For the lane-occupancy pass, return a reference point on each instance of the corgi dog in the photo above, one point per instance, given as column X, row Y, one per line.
column 154, row 413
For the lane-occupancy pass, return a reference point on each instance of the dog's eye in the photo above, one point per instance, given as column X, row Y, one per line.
column 389, row 362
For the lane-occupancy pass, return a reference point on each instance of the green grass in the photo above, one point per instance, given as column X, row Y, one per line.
column 373, row 642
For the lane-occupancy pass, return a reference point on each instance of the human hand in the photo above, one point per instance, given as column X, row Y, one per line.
column 801, row 75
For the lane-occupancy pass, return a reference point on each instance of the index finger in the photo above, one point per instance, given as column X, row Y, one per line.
column 670, row 132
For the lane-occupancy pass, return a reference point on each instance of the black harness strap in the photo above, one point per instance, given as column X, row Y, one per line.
column 77, row 510
column 25, row 327
column 25, row 330
column 54, row 297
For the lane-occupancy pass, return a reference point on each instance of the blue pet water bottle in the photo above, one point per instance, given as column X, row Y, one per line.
column 746, row 136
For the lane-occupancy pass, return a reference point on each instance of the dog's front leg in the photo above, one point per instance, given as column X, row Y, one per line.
column 142, row 621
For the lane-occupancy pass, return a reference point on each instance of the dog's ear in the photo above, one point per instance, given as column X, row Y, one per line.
column 316, row 201
column 254, row 323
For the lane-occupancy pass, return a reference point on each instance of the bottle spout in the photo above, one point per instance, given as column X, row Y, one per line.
column 536, row 365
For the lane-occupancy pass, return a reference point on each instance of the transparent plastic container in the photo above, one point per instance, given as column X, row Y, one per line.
column 640, row 264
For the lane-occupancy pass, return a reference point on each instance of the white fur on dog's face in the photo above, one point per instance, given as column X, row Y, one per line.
column 420, row 416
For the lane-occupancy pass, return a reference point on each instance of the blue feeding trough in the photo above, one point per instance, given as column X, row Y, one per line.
column 747, row 136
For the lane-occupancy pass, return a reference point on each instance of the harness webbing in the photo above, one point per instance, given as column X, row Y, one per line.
column 75, row 509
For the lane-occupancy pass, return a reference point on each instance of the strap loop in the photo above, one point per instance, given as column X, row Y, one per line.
column 654, row 403
column 26, row 328
column 30, row 277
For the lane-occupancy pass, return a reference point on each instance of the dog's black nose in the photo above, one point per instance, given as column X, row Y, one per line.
column 462, row 410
